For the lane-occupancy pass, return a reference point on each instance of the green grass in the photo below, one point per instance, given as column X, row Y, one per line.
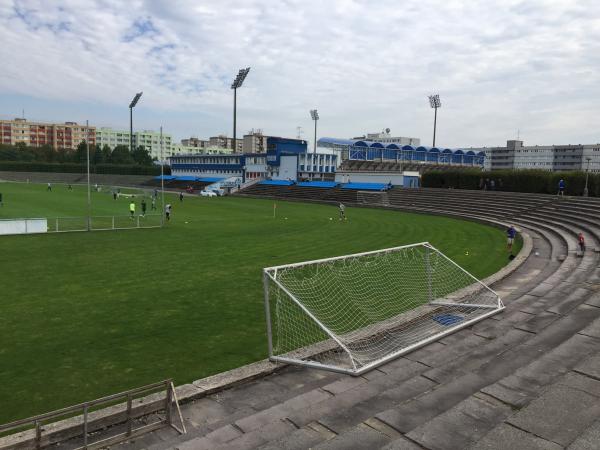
column 90, row 314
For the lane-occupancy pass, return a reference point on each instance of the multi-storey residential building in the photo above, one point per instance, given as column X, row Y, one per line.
column 255, row 142
column 36, row 134
column 223, row 141
column 111, row 137
column 149, row 139
column 515, row 155
column 195, row 142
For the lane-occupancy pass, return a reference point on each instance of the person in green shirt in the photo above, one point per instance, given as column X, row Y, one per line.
column 132, row 208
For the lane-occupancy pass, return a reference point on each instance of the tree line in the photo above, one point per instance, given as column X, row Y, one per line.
column 98, row 155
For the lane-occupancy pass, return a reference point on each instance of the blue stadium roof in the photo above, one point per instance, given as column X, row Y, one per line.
column 365, row 186
column 276, row 182
column 328, row 140
column 371, row 144
column 321, row 184
column 210, row 179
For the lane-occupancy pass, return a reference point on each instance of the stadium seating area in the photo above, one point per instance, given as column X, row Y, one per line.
column 378, row 166
column 301, row 192
column 323, row 184
column 366, row 186
column 276, row 183
column 182, row 182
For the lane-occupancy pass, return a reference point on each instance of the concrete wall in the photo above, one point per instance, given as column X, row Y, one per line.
column 23, row 226
column 75, row 178
column 288, row 168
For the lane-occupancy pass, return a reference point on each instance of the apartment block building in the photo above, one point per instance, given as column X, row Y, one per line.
column 223, row 141
column 255, row 142
column 66, row 135
column 515, row 155
column 195, row 142
column 148, row 139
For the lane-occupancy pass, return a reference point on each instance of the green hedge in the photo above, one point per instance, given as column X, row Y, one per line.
column 536, row 181
column 113, row 169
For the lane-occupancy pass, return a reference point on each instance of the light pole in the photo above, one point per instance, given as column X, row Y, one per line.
column 89, row 197
column 131, row 106
column 314, row 116
column 162, row 181
column 435, row 103
column 237, row 83
column 587, row 174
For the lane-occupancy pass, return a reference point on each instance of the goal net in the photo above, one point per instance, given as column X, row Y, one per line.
column 352, row 313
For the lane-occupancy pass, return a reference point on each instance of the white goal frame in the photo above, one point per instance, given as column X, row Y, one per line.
column 305, row 356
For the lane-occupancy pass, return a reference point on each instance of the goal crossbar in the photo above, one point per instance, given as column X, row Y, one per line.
column 335, row 258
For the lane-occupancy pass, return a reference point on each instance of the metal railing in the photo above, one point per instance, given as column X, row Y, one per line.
column 80, row 223
column 101, row 223
column 101, row 421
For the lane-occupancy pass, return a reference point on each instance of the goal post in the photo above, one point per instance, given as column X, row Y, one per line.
column 352, row 313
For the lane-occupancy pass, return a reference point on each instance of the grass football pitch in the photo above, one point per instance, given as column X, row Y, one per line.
column 89, row 314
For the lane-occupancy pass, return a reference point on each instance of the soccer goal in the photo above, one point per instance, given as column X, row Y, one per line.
column 353, row 313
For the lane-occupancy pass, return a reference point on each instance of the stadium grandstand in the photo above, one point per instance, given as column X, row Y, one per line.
column 363, row 150
column 338, row 163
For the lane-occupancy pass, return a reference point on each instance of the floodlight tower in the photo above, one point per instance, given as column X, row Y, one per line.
column 237, row 83
column 131, row 106
column 435, row 103
column 314, row 116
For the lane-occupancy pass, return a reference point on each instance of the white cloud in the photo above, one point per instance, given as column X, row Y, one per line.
column 499, row 66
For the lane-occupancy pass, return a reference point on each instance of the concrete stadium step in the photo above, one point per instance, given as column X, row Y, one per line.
column 451, row 196
column 540, row 265
column 512, row 204
column 566, row 222
column 484, row 411
column 569, row 410
column 439, row 408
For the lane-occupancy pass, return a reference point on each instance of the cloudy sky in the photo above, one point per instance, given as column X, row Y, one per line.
column 501, row 67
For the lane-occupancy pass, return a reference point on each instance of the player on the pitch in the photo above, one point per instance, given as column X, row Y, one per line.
column 132, row 209
column 342, row 212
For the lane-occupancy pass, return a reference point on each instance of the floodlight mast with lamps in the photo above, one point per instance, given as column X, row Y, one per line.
column 237, row 83
column 131, row 106
column 314, row 114
column 435, row 103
